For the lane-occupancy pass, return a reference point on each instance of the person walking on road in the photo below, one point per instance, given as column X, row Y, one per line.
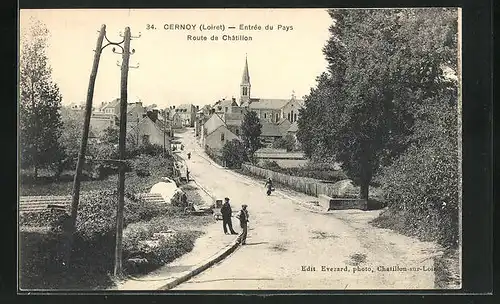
column 243, row 217
column 226, row 217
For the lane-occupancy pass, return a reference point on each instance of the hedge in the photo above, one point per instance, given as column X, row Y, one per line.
column 422, row 190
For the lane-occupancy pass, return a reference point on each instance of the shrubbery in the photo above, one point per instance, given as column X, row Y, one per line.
column 167, row 250
column 151, row 150
column 422, row 186
column 93, row 247
column 287, row 142
column 234, row 154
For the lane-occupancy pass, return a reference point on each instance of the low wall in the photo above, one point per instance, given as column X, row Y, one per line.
column 305, row 185
column 329, row 203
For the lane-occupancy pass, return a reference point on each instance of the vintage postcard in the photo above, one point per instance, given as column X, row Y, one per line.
column 239, row 149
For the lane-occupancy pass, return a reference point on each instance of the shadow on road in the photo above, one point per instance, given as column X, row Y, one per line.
column 231, row 279
column 259, row 243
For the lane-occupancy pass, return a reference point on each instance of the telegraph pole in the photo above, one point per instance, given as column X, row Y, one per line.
column 164, row 133
column 122, row 140
column 121, row 173
column 83, row 144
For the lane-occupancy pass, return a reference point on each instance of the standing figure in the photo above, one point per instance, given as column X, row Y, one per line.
column 189, row 155
column 243, row 217
column 226, row 216
column 269, row 185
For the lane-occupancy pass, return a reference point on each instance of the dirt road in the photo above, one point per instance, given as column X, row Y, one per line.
column 290, row 247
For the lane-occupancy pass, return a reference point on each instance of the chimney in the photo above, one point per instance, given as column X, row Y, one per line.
column 197, row 107
column 234, row 99
column 139, row 103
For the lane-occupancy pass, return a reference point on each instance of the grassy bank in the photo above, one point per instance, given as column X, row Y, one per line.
column 447, row 264
column 43, row 244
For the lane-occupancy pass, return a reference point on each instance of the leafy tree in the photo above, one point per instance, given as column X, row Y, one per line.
column 251, row 128
column 40, row 102
column 111, row 135
column 234, row 153
column 286, row 142
column 70, row 139
column 384, row 66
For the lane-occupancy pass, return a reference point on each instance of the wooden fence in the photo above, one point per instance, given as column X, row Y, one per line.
column 305, row 185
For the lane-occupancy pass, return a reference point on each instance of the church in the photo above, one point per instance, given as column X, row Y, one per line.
column 278, row 117
column 271, row 110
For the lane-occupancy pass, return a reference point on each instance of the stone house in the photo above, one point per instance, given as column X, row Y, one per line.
column 149, row 130
column 187, row 114
column 216, row 139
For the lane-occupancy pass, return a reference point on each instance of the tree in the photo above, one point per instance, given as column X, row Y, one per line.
column 384, row 67
column 286, row 142
column 70, row 139
column 111, row 135
column 234, row 153
column 40, row 102
column 251, row 128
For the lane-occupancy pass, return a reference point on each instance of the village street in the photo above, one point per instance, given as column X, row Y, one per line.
column 290, row 247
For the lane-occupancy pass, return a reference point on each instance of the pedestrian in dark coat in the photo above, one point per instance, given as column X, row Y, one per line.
column 243, row 217
column 226, row 216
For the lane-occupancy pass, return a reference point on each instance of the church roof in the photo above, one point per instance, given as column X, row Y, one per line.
column 246, row 75
column 294, row 127
column 270, row 129
column 275, row 104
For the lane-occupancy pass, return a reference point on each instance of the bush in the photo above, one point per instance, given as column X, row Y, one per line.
column 234, row 154
column 166, row 251
column 287, row 142
column 151, row 150
column 93, row 247
column 48, row 218
column 141, row 165
column 422, row 187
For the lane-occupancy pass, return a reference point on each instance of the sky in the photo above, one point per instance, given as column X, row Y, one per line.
column 174, row 70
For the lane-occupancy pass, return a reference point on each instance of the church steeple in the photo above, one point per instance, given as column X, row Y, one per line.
column 245, row 85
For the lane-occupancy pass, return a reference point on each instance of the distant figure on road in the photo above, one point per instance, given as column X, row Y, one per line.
column 189, row 155
column 243, row 217
column 187, row 174
column 269, row 185
column 226, row 216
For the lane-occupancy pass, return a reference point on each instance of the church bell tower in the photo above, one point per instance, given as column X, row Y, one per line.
column 245, row 86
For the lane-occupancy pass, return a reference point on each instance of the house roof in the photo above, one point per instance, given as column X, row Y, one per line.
column 294, row 127
column 270, row 129
column 225, row 103
column 221, row 126
column 159, row 125
column 274, row 104
column 112, row 104
column 218, row 121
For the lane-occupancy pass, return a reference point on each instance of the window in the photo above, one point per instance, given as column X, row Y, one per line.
column 277, row 117
column 237, row 132
column 244, row 91
column 226, row 110
column 145, row 139
column 288, row 116
column 222, row 137
column 265, row 115
column 295, row 117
